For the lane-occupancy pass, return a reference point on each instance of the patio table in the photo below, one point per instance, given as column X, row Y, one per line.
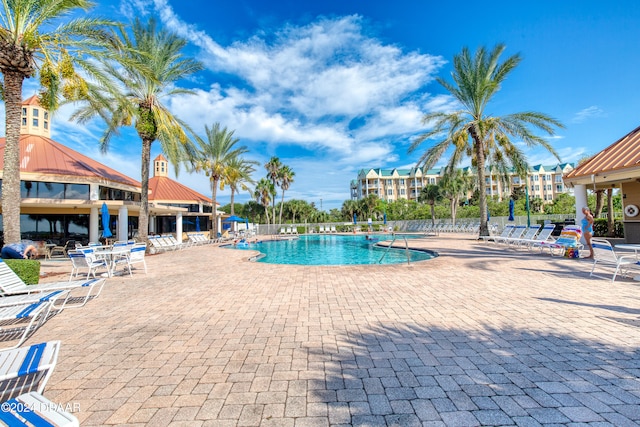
column 112, row 254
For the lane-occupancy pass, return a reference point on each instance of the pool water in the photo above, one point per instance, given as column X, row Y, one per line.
column 333, row 250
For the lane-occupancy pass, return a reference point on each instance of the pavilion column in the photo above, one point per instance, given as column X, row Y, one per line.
column 152, row 224
column 123, row 223
column 94, row 229
column 580, row 193
column 179, row 227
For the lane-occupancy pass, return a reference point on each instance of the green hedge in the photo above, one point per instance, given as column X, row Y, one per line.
column 600, row 228
column 28, row 270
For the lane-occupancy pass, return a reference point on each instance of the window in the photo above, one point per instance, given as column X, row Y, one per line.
column 46, row 115
column 46, row 124
column 390, row 192
column 402, row 181
column 24, row 112
column 559, row 178
column 35, row 112
column 537, row 188
column 24, row 121
column 549, row 187
column 35, row 123
column 402, row 192
column 559, row 188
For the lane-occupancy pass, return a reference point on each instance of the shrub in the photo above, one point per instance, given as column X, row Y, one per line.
column 28, row 270
column 600, row 228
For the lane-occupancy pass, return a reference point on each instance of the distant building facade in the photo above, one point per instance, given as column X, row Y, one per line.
column 391, row 185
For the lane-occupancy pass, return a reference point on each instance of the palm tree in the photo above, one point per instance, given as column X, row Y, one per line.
column 285, row 179
column 131, row 94
column 273, row 171
column 213, row 157
column 237, row 174
column 472, row 132
column 455, row 186
column 431, row 195
column 349, row 207
column 30, row 39
column 264, row 193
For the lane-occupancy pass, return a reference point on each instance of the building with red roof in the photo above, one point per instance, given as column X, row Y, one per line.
column 63, row 190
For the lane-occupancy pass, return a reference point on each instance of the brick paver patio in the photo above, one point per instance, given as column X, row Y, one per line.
column 478, row 336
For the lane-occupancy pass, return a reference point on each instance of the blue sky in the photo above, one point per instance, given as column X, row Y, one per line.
column 333, row 87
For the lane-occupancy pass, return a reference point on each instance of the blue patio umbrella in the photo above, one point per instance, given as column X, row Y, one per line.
column 511, row 210
column 488, row 215
column 384, row 218
column 197, row 223
column 106, row 232
column 355, row 219
column 234, row 218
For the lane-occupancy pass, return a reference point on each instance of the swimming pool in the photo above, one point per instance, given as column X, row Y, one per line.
column 332, row 250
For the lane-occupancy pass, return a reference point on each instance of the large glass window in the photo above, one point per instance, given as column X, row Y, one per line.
column 53, row 190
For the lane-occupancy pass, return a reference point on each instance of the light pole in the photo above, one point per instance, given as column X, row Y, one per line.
column 321, row 204
column 526, row 199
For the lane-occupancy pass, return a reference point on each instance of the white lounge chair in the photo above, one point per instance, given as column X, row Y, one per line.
column 27, row 369
column 529, row 234
column 21, row 320
column 517, row 233
column 12, row 284
column 506, row 231
column 604, row 254
column 33, row 409
column 544, row 236
column 321, row 229
column 333, row 229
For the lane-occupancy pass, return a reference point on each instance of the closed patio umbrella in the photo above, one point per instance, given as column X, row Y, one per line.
column 511, row 210
column 197, row 223
column 106, row 232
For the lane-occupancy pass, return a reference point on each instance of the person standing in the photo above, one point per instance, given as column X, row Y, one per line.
column 587, row 229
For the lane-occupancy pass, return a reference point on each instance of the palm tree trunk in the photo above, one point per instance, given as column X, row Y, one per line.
column 143, row 218
column 233, row 193
column 453, row 205
column 281, row 205
column 11, row 174
column 482, row 185
column 599, row 204
column 214, row 214
column 433, row 213
column 611, row 226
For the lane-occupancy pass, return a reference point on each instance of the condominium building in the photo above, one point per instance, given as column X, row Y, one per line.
column 544, row 182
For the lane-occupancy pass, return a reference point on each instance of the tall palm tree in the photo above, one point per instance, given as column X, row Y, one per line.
column 131, row 93
column 349, row 207
column 213, row 157
column 472, row 131
column 264, row 193
column 237, row 175
column 30, row 39
column 273, row 171
column 285, row 179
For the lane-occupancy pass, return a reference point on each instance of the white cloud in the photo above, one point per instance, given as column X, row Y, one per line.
column 587, row 113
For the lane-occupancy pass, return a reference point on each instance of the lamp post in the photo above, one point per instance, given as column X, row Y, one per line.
column 526, row 198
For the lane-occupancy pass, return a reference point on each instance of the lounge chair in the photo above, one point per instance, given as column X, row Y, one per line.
column 506, row 232
column 27, row 369
column 333, row 229
column 33, row 409
column 604, row 254
column 517, row 233
column 321, row 229
column 62, row 250
column 544, row 236
column 12, row 284
column 529, row 234
column 21, row 320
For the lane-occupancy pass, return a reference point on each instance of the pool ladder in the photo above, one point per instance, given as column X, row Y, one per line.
column 406, row 245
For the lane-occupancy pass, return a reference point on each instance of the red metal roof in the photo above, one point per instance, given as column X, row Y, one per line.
column 41, row 155
column 164, row 189
column 622, row 154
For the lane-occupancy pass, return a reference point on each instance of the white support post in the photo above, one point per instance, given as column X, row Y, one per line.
column 179, row 227
column 123, row 223
column 94, row 229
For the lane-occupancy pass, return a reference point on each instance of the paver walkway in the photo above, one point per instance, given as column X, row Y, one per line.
column 477, row 336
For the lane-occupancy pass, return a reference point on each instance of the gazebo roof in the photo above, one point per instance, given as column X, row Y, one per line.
column 165, row 189
column 620, row 160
